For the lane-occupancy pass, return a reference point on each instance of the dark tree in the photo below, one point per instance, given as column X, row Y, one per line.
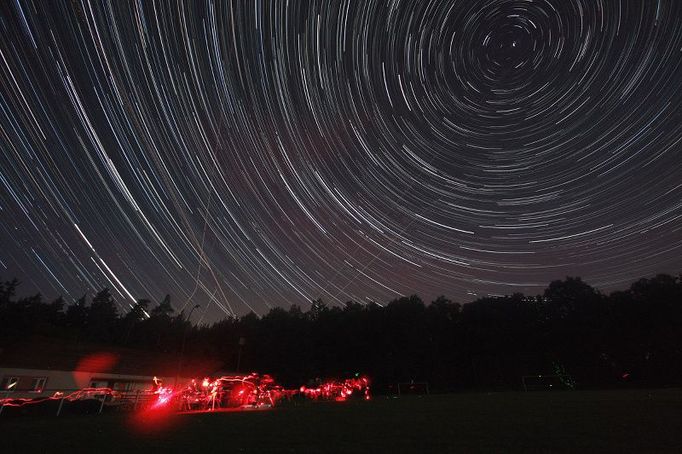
column 132, row 319
column 102, row 317
column 76, row 318
column 164, row 309
column 631, row 337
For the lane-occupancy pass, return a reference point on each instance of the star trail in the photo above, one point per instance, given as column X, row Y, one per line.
column 250, row 154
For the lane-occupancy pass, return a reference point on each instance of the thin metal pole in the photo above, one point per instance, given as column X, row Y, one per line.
column 3, row 404
column 61, row 403
column 104, row 397
column 242, row 342
column 182, row 346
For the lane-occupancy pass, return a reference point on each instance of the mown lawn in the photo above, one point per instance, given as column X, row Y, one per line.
column 581, row 421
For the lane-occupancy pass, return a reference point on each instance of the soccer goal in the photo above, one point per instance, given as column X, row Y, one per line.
column 413, row 389
column 547, row 382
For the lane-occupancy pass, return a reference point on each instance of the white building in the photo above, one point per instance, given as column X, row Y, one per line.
column 43, row 368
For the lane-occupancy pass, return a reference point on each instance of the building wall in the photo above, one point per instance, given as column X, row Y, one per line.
column 69, row 381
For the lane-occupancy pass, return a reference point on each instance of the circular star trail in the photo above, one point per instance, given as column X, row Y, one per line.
column 245, row 155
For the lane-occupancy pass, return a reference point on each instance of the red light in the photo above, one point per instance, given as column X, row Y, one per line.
column 338, row 390
column 97, row 362
column 253, row 390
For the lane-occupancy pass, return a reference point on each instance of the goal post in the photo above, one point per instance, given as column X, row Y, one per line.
column 413, row 389
column 541, row 382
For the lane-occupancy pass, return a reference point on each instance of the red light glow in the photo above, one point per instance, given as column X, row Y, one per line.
column 338, row 390
column 97, row 362
column 156, row 404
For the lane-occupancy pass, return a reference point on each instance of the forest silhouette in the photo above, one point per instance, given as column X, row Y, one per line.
column 626, row 338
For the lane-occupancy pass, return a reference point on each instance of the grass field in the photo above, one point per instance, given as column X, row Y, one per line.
column 581, row 421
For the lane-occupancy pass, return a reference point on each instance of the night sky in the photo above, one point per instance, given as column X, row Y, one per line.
column 245, row 155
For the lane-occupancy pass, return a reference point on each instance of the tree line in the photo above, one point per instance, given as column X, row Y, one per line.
column 626, row 338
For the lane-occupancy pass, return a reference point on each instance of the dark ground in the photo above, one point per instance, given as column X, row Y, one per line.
column 579, row 421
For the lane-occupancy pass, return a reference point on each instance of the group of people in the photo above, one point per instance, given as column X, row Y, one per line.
column 253, row 390
column 228, row 392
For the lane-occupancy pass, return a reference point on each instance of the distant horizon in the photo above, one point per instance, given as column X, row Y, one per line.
column 305, row 304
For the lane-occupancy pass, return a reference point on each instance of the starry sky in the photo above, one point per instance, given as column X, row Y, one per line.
column 251, row 154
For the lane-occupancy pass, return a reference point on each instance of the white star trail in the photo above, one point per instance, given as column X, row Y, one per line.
column 245, row 155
